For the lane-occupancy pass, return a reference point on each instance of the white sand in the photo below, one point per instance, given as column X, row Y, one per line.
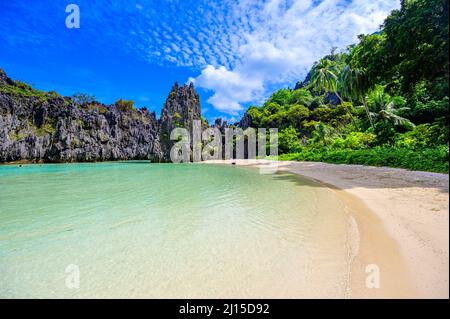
column 402, row 225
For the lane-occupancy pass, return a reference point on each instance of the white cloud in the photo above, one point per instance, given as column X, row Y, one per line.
column 239, row 48
column 229, row 87
column 282, row 42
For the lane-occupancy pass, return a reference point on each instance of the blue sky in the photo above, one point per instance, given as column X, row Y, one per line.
column 235, row 51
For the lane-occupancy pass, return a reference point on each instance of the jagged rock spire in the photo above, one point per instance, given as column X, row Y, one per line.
column 74, row 132
column 4, row 79
column 180, row 109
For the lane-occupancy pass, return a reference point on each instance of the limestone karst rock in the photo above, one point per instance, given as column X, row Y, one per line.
column 41, row 126
column 181, row 108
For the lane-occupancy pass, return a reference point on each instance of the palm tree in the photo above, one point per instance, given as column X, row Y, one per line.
column 385, row 108
column 355, row 86
column 322, row 134
column 388, row 113
column 324, row 78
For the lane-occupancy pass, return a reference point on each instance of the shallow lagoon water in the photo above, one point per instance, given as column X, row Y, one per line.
column 140, row 230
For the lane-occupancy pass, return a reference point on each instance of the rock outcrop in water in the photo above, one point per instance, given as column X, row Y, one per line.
column 41, row 126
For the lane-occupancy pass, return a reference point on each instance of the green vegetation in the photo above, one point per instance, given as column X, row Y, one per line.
column 124, row 105
column 22, row 133
column 427, row 159
column 21, row 89
column 94, row 106
column 177, row 118
column 17, row 136
column 75, row 142
column 204, row 121
column 25, row 90
column 47, row 128
column 84, row 99
column 383, row 101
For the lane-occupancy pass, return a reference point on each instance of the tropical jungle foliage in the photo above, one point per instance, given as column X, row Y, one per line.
column 383, row 101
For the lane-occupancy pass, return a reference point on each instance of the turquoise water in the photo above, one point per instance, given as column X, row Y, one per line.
column 139, row 230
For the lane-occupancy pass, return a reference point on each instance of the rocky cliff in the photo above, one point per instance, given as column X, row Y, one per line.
column 40, row 126
column 181, row 108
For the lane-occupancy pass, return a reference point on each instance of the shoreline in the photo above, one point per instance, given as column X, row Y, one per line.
column 27, row 162
column 402, row 222
column 397, row 220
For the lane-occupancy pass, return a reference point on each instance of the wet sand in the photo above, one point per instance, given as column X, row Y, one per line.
column 398, row 224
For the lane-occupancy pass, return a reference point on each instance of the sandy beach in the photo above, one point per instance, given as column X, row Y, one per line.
column 402, row 225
